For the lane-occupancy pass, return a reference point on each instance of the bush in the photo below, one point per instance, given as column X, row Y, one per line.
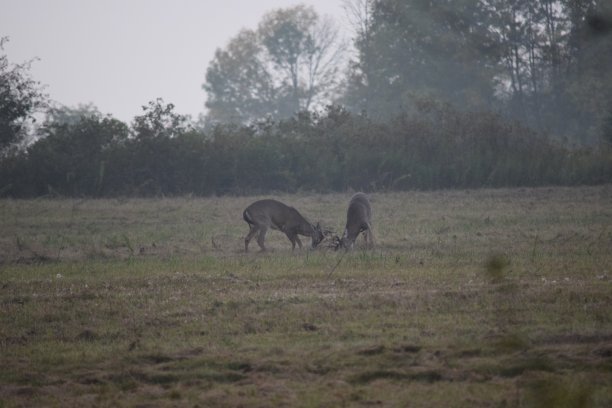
column 435, row 148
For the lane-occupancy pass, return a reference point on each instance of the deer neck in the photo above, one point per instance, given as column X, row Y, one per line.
column 307, row 229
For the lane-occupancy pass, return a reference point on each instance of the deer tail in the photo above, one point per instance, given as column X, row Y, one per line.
column 247, row 217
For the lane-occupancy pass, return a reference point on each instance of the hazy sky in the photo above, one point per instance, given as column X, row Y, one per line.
column 120, row 54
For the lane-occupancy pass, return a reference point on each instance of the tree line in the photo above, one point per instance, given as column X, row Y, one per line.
column 162, row 154
column 449, row 94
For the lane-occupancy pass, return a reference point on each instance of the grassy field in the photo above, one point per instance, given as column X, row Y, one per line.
column 477, row 298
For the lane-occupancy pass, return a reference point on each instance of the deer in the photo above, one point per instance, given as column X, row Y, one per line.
column 271, row 214
column 358, row 220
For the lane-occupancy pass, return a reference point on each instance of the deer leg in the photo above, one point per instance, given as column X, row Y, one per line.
column 366, row 238
column 370, row 237
column 261, row 237
column 252, row 231
column 351, row 245
column 293, row 238
column 297, row 239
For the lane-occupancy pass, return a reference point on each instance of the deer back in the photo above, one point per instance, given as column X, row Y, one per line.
column 276, row 215
column 358, row 216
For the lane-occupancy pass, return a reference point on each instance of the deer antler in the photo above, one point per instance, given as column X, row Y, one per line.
column 331, row 241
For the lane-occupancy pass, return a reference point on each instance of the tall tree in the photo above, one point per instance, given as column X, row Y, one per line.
column 589, row 83
column 238, row 84
column 357, row 93
column 533, row 35
column 545, row 62
column 555, row 68
column 290, row 63
column 419, row 47
column 20, row 97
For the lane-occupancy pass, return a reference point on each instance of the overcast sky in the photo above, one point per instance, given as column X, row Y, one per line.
column 120, row 54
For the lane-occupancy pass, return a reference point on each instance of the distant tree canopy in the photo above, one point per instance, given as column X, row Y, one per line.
column 545, row 62
column 289, row 64
column 415, row 48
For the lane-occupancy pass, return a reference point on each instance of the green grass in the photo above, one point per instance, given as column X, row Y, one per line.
column 471, row 298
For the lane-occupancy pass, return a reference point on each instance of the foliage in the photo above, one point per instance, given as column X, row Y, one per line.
column 334, row 150
column 290, row 63
column 146, row 164
column 20, row 97
column 59, row 114
column 555, row 65
column 423, row 48
column 71, row 158
column 159, row 122
column 238, row 85
column 453, row 94
column 545, row 63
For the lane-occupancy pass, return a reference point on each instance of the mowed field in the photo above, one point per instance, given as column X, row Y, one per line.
column 480, row 298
